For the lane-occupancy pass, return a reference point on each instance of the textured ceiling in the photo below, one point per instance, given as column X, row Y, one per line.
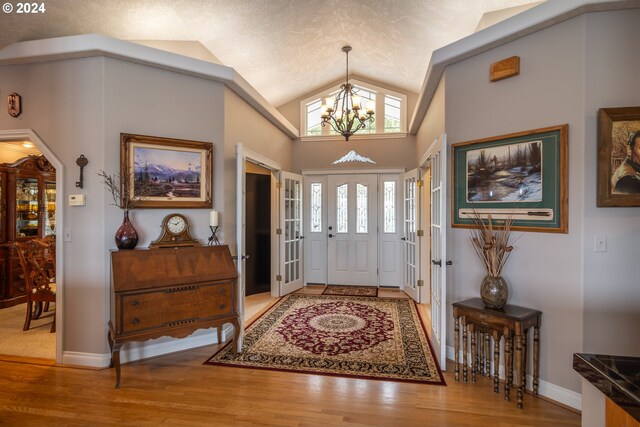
column 284, row 48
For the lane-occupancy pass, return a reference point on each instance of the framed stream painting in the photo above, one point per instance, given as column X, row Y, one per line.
column 521, row 175
column 619, row 156
column 166, row 172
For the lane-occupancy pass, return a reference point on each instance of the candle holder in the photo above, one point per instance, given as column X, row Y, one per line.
column 213, row 239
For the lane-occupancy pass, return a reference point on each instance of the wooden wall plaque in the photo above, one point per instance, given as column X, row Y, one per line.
column 504, row 69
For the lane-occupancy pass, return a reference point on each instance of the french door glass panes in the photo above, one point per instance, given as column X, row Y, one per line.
column 389, row 208
column 292, row 229
column 361, row 208
column 342, row 211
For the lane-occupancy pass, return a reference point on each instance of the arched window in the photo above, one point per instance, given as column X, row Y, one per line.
column 390, row 117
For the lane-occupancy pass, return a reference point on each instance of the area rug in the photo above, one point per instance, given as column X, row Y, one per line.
column 355, row 291
column 362, row 337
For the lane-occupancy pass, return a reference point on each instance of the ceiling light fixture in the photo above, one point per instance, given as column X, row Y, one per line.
column 344, row 112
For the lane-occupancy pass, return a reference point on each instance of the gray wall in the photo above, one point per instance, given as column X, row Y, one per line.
column 433, row 124
column 568, row 71
column 611, row 281
column 81, row 106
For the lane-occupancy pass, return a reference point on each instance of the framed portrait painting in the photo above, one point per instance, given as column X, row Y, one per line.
column 166, row 172
column 521, row 175
column 619, row 156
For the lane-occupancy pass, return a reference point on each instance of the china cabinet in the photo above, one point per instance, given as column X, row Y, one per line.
column 28, row 208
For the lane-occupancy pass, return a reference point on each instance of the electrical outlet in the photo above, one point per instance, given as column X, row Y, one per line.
column 600, row 243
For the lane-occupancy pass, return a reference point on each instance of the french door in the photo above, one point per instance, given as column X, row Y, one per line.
column 291, row 248
column 352, row 229
column 438, row 164
column 411, row 242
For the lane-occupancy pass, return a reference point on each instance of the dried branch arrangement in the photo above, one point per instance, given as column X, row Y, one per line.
column 119, row 185
column 491, row 244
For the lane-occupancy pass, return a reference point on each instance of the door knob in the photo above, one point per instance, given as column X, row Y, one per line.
column 330, row 235
column 330, row 228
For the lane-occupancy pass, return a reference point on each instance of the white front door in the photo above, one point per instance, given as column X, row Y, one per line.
column 352, row 224
column 411, row 253
column 315, row 229
column 438, row 162
column 390, row 230
column 291, row 248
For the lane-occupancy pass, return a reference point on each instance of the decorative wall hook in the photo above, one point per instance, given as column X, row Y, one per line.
column 14, row 103
column 82, row 162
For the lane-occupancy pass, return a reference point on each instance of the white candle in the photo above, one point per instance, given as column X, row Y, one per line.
column 213, row 218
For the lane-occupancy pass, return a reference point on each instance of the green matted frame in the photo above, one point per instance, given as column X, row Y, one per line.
column 550, row 214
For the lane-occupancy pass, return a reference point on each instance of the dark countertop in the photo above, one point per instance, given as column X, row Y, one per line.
column 618, row 377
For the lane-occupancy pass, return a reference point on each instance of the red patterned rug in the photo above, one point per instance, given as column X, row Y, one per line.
column 351, row 291
column 363, row 337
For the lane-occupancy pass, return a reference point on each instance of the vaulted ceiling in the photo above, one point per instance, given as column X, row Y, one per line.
column 284, row 48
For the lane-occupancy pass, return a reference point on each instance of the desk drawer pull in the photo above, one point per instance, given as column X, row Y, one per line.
column 135, row 302
column 135, row 321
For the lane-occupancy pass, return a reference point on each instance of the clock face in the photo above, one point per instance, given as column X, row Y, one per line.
column 176, row 224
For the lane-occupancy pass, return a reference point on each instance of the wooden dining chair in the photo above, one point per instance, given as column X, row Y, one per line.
column 37, row 259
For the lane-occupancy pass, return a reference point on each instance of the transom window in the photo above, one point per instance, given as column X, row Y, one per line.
column 390, row 111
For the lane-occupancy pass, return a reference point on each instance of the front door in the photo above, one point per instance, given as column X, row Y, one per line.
column 352, row 227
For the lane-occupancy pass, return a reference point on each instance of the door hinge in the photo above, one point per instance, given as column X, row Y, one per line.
column 420, row 282
column 279, row 184
column 378, row 271
column 278, row 230
column 419, row 183
column 420, row 233
column 279, row 278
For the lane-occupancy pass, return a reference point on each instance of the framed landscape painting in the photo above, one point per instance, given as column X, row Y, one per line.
column 521, row 175
column 618, row 157
column 166, row 172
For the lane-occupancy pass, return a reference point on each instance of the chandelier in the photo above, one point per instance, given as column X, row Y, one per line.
column 344, row 113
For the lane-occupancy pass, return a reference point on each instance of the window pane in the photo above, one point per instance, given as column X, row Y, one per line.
column 313, row 118
column 366, row 96
column 361, row 208
column 341, row 209
column 391, row 114
column 389, row 206
column 316, row 207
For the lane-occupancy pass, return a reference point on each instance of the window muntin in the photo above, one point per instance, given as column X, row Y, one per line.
column 392, row 114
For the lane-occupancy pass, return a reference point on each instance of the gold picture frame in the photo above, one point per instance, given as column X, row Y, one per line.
column 174, row 173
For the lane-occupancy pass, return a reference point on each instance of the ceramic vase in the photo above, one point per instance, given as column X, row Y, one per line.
column 494, row 292
column 126, row 236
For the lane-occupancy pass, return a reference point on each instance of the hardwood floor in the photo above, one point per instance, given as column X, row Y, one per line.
column 177, row 389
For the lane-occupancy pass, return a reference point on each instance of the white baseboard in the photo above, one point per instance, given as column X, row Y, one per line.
column 133, row 351
column 545, row 388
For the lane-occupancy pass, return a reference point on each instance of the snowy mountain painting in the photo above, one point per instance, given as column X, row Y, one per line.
column 508, row 173
column 167, row 173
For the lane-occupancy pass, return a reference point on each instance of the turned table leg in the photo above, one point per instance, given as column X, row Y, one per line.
column 464, row 350
column 456, row 340
column 474, row 353
column 508, row 367
column 518, row 375
column 536, row 359
column 496, row 362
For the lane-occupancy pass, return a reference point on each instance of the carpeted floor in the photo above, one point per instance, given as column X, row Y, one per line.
column 348, row 290
column 364, row 337
column 37, row 342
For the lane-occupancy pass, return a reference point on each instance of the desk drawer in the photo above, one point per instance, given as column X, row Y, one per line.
column 175, row 306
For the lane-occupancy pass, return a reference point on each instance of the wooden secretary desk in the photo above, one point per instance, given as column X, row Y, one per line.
column 170, row 292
